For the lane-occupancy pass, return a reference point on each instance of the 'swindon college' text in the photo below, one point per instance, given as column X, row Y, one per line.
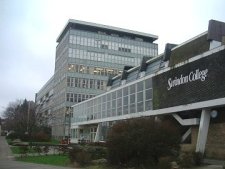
column 192, row 76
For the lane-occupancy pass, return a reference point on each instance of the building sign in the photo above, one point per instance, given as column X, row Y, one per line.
column 191, row 77
column 201, row 80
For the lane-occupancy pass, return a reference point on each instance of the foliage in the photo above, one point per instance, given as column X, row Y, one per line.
column 38, row 149
column 164, row 163
column 198, row 158
column 186, row 160
column 50, row 159
column 80, row 155
column 41, row 136
column 46, row 150
column 63, row 149
column 23, row 150
column 83, row 158
column 96, row 152
column 21, row 120
column 142, row 142
column 20, row 117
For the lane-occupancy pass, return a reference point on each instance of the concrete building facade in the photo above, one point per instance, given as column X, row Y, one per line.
column 88, row 54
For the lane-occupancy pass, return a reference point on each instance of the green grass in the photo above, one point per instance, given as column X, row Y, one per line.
column 53, row 141
column 50, row 160
column 17, row 150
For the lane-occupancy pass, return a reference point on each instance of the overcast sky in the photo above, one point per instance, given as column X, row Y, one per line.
column 29, row 28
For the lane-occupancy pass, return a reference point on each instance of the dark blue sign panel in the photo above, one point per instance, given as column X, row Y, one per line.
column 201, row 80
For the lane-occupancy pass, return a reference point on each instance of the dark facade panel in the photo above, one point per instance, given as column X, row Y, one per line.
column 189, row 50
column 197, row 81
column 216, row 30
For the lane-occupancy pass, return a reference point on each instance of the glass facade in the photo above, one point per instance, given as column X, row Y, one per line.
column 86, row 55
column 130, row 99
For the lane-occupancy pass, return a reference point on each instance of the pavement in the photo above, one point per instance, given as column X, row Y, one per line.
column 7, row 159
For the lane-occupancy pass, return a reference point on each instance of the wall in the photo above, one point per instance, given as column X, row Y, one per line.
column 215, row 146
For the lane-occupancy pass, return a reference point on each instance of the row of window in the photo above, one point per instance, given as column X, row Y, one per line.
column 103, row 44
column 134, row 98
column 102, row 57
column 76, row 98
column 86, row 83
column 93, row 70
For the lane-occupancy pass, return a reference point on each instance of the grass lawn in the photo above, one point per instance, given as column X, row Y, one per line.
column 17, row 150
column 50, row 159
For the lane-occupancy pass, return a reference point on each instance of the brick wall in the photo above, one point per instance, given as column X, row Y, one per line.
column 215, row 146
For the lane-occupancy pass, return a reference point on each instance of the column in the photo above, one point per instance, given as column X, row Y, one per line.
column 203, row 131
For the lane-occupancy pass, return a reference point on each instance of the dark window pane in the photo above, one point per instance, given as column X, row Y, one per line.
column 139, row 86
column 148, row 83
column 132, row 98
column 148, row 105
column 148, row 94
column 140, row 97
column 132, row 89
column 140, row 107
column 132, row 108
column 125, row 91
column 125, row 100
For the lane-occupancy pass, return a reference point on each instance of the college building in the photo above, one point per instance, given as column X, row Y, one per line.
column 186, row 82
column 87, row 55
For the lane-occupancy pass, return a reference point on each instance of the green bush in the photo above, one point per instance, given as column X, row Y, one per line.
column 23, row 150
column 142, row 141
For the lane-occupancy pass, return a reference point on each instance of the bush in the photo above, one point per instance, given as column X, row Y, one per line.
column 96, row 152
column 23, row 150
column 46, row 149
column 142, row 141
column 164, row 163
column 83, row 157
column 197, row 158
column 186, row 160
column 41, row 137
column 37, row 149
column 13, row 136
column 77, row 154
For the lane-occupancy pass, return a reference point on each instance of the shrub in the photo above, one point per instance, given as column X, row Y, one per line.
column 23, row 150
column 46, row 149
column 164, row 163
column 142, row 141
column 37, row 149
column 78, row 154
column 96, row 152
column 186, row 160
column 197, row 158
column 83, row 157
column 13, row 136
column 41, row 137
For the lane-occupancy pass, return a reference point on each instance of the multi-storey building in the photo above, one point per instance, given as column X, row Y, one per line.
column 186, row 82
column 86, row 55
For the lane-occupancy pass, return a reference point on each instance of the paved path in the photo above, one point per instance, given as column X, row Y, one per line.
column 7, row 161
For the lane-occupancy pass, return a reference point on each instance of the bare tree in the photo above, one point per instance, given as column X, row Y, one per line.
column 20, row 116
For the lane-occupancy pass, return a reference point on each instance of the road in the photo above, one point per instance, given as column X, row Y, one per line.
column 7, row 161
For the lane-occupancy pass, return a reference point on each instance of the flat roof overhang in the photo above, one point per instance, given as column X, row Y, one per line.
column 82, row 25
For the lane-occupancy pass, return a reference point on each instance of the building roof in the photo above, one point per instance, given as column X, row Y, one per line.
column 94, row 26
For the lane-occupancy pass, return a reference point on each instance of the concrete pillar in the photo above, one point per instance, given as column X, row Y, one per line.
column 203, row 131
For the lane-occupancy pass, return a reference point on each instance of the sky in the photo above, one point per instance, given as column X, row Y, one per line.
column 29, row 29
